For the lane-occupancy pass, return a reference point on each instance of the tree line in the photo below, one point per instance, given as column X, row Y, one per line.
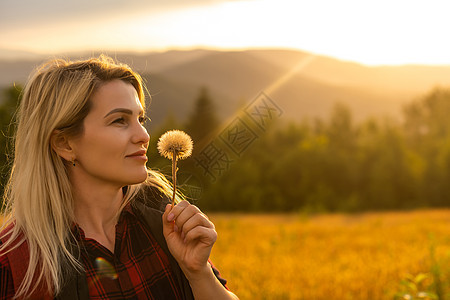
column 317, row 165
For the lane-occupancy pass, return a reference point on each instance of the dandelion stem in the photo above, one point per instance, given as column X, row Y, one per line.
column 174, row 174
column 175, row 145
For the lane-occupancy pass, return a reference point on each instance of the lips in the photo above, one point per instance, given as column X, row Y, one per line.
column 138, row 153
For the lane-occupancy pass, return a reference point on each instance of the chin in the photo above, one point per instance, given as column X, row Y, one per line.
column 138, row 178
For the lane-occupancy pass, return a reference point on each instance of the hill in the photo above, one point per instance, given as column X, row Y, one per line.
column 236, row 77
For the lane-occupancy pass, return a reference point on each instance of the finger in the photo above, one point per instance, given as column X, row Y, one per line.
column 186, row 214
column 207, row 235
column 176, row 210
column 198, row 219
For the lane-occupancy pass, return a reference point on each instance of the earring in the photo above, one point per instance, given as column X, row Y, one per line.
column 73, row 161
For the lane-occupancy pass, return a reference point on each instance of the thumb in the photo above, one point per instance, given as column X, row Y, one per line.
column 167, row 226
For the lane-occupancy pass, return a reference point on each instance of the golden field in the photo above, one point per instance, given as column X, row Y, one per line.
column 333, row 256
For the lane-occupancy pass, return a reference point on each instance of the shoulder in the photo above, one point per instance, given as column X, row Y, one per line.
column 13, row 245
column 4, row 261
column 151, row 216
column 13, row 242
column 147, row 206
column 151, row 197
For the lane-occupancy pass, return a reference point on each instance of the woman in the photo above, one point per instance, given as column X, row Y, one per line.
column 85, row 215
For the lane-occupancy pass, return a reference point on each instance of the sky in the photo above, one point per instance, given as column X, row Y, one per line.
column 381, row 32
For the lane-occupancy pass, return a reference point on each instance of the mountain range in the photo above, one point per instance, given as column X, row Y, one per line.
column 303, row 85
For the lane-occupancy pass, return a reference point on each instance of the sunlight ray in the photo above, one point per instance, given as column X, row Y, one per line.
column 300, row 65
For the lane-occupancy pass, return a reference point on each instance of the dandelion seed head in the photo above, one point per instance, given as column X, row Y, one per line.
column 175, row 140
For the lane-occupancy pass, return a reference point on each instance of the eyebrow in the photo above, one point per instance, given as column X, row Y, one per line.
column 122, row 110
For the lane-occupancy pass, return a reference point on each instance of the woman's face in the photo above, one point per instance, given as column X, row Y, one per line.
column 113, row 146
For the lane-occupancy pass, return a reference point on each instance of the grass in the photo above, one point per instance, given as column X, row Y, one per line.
column 335, row 256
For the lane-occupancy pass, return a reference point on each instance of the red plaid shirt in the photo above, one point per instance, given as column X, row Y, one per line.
column 138, row 268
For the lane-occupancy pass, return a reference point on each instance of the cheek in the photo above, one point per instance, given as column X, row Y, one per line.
column 102, row 155
column 99, row 147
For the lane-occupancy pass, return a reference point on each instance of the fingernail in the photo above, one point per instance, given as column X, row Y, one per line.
column 175, row 228
column 170, row 217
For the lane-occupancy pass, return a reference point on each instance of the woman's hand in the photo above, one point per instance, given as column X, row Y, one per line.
column 190, row 236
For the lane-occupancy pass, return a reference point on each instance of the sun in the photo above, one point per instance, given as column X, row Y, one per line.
column 381, row 32
column 385, row 32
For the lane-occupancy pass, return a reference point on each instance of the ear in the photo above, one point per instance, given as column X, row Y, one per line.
column 61, row 145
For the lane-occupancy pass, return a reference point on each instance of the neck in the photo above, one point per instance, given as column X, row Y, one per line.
column 98, row 210
column 96, row 207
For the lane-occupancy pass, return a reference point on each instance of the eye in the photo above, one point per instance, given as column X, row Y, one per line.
column 120, row 120
column 143, row 119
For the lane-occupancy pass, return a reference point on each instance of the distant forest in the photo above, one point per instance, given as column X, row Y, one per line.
column 318, row 165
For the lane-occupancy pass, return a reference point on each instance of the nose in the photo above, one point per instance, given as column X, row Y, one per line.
column 141, row 135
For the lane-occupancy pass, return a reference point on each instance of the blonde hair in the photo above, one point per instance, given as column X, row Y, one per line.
column 38, row 195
